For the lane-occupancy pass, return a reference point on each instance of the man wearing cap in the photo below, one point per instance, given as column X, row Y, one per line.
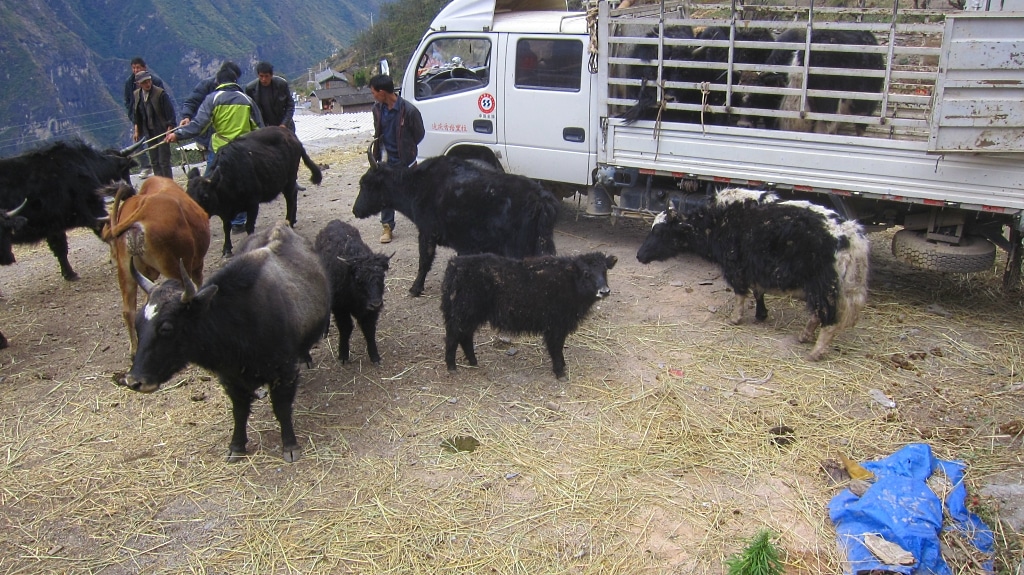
column 139, row 65
column 152, row 116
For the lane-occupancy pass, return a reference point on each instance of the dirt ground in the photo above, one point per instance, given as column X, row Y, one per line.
column 658, row 454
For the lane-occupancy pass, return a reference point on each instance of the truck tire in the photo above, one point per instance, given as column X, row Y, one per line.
column 974, row 254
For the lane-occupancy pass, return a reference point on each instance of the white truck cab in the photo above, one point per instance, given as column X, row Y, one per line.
column 511, row 88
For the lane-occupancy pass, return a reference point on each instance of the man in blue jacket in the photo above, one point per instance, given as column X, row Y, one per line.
column 195, row 99
column 189, row 110
column 398, row 126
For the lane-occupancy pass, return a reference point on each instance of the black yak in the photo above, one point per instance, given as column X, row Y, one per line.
column 462, row 205
column 250, row 323
column 59, row 186
column 253, row 168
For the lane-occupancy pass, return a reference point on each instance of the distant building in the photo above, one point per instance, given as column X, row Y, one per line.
column 331, row 78
column 335, row 94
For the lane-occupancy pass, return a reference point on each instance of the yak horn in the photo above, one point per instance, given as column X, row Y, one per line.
column 371, row 152
column 144, row 282
column 125, row 152
column 186, row 283
column 18, row 209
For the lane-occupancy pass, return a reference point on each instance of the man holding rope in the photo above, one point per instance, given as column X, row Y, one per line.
column 227, row 111
column 153, row 115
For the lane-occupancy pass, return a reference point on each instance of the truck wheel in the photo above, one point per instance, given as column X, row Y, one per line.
column 974, row 254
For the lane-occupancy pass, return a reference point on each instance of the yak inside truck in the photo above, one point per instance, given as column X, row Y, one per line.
column 892, row 113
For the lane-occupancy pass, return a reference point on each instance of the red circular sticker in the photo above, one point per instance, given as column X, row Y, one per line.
column 486, row 103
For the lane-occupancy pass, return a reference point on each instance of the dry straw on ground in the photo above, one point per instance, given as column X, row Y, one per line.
column 656, row 456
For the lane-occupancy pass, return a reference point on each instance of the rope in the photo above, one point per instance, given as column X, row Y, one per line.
column 592, row 29
column 183, row 154
column 144, row 150
column 705, row 89
column 657, row 121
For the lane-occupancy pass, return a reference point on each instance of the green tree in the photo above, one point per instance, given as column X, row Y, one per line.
column 398, row 31
column 360, row 77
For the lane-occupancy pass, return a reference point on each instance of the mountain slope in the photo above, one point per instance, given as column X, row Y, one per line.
column 66, row 60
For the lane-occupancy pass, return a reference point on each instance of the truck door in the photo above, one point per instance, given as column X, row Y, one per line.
column 454, row 91
column 545, row 107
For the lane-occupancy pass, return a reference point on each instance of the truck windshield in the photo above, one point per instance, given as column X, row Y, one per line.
column 453, row 65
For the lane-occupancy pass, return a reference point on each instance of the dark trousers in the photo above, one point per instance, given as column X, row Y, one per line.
column 143, row 159
column 160, row 157
column 387, row 215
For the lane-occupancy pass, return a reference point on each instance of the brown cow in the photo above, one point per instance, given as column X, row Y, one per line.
column 158, row 228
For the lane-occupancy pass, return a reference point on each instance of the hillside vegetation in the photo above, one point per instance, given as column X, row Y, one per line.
column 394, row 36
column 65, row 61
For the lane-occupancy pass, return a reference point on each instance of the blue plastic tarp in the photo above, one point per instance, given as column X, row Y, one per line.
column 901, row 508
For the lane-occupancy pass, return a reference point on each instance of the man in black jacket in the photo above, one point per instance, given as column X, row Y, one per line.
column 273, row 96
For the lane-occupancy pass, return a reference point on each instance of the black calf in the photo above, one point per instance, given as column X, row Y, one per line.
column 548, row 295
column 357, row 284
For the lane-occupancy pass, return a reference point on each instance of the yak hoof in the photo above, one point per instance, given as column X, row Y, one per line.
column 227, row 254
column 291, row 453
column 415, row 291
column 235, row 455
column 71, row 277
column 451, row 369
column 817, row 352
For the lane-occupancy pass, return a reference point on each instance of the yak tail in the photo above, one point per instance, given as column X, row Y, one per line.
column 316, row 176
column 546, row 216
column 124, row 191
column 852, row 267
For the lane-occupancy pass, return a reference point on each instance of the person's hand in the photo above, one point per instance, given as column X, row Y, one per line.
column 135, row 133
column 172, row 137
column 185, row 121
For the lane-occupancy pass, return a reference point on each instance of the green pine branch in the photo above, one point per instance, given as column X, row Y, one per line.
column 761, row 557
